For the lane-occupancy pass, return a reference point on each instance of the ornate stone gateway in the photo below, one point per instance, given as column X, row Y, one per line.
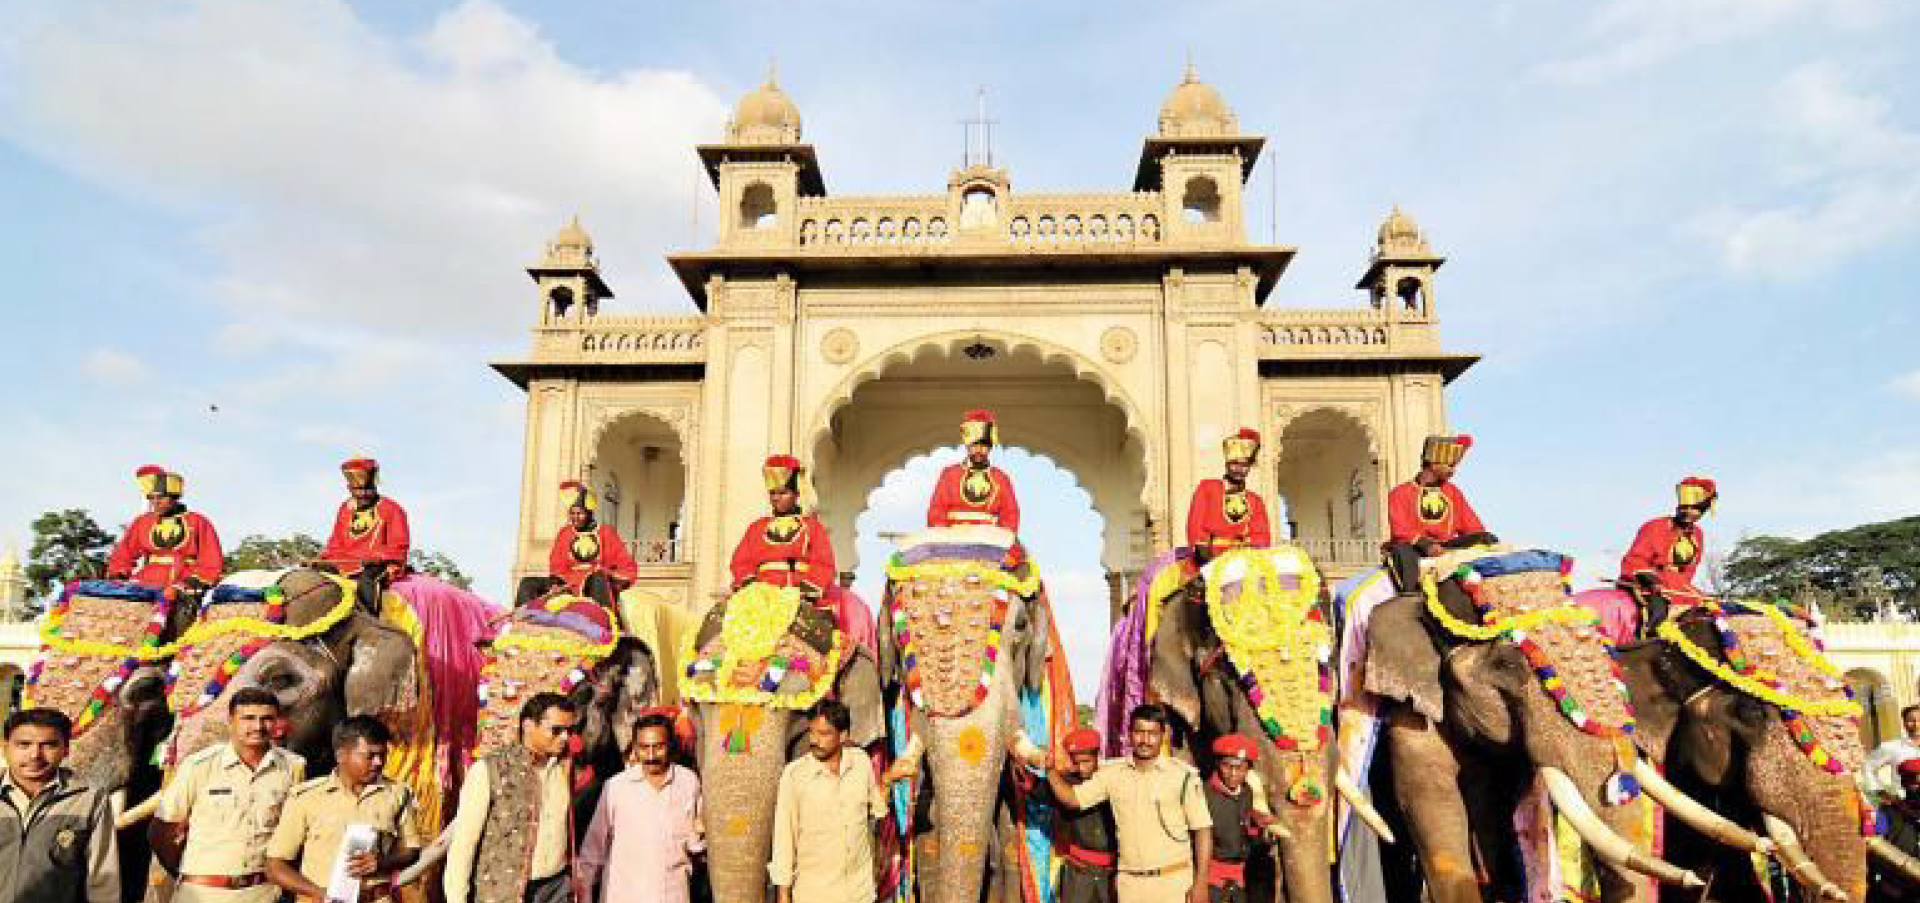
column 1120, row 334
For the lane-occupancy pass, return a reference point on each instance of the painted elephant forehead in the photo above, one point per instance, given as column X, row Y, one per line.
column 949, row 627
column 764, row 646
column 541, row 649
column 1783, row 652
column 1573, row 659
column 94, row 631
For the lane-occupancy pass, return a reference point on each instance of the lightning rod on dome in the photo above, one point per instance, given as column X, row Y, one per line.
column 984, row 125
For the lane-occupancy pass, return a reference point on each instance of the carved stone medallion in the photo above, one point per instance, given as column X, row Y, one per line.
column 1118, row 344
column 839, row 346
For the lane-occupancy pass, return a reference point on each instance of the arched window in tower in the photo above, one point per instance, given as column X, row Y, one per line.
column 978, row 207
column 1411, row 293
column 562, row 300
column 757, row 208
column 1201, row 200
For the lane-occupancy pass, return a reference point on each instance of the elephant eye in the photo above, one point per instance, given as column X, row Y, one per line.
column 280, row 681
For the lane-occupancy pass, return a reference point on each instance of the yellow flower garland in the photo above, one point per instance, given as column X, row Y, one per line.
column 939, row 570
column 765, row 613
column 201, row 631
column 1797, row 642
column 1842, row 707
column 1268, row 615
column 1571, row 615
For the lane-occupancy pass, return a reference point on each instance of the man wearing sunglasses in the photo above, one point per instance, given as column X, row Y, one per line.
column 511, row 842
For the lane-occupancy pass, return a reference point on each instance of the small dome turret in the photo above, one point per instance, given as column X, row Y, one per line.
column 1195, row 109
column 765, row 116
column 1400, row 233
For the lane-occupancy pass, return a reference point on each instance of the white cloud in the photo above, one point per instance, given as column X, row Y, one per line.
column 1626, row 35
column 1907, row 384
column 1855, row 185
column 114, row 368
column 341, row 176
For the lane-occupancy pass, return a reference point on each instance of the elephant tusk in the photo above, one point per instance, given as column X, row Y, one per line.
column 1696, row 815
column 1362, row 807
column 429, row 857
column 1798, row 863
column 137, row 814
column 1606, row 843
column 907, row 765
column 1025, row 752
column 1894, row 858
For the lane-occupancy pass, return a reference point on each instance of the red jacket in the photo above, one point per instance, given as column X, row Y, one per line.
column 575, row 557
column 785, row 551
column 377, row 534
column 161, row 551
column 1439, row 513
column 1669, row 551
column 991, row 502
column 1212, row 524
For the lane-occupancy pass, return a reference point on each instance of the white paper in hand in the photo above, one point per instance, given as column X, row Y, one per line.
column 341, row 887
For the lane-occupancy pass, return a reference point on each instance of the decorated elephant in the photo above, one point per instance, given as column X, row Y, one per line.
column 1246, row 649
column 1492, row 686
column 1745, row 712
column 754, row 665
column 968, row 648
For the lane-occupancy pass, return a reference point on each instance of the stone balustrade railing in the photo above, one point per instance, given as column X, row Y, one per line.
column 1312, row 330
column 657, row 339
column 1093, row 219
column 1343, row 553
column 870, row 222
column 656, row 550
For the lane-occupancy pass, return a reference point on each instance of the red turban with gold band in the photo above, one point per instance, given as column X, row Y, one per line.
column 978, row 428
column 1241, row 446
column 155, row 480
column 360, row 472
column 1696, row 492
column 577, row 495
column 782, row 472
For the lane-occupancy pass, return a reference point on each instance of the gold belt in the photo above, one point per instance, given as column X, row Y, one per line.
column 800, row 566
column 975, row 516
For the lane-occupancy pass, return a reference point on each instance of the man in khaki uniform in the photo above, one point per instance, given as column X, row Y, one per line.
column 223, row 803
column 314, row 824
column 1160, row 808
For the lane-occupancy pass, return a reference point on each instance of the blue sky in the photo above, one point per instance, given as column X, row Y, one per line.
column 1679, row 230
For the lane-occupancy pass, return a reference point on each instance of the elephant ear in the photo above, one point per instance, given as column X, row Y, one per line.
column 1170, row 666
column 1403, row 659
column 1036, row 641
column 380, row 667
column 636, row 687
column 887, row 661
column 859, row 689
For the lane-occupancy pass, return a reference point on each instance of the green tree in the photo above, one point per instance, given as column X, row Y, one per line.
column 257, row 552
column 439, row 565
column 1852, row 573
column 67, row 545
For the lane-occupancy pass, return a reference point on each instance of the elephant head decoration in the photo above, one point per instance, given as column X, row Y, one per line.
column 1246, row 650
column 961, row 641
column 1779, row 753
column 754, row 666
column 1489, row 681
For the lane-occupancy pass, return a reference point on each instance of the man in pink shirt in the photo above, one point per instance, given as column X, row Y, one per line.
column 647, row 828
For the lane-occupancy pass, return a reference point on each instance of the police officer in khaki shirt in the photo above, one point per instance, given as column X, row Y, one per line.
column 314, row 824
column 1160, row 808
column 222, row 805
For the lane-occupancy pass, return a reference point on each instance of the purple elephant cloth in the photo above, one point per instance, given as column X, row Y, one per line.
column 453, row 621
column 1124, row 683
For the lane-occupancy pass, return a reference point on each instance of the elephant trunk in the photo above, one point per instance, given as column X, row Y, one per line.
column 1362, row 807
column 740, row 781
column 1695, row 814
column 1794, row 856
column 1892, row 857
column 1607, row 844
column 969, row 754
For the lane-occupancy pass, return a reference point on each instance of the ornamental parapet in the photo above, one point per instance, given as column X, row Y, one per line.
column 643, row 340
column 911, row 223
column 1292, row 333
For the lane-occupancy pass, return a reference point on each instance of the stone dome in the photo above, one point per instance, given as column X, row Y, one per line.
column 765, row 116
column 1400, row 231
column 1195, row 108
column 572, row 235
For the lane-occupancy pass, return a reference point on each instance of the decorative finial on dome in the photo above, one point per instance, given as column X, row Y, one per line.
column 571, row 247
column 1196, row 110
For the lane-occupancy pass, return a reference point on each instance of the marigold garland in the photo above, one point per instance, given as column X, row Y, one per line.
column 1267, row 617
column 202, row 630
column 1671, row 633
column 941, row 570
column 757, row 617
